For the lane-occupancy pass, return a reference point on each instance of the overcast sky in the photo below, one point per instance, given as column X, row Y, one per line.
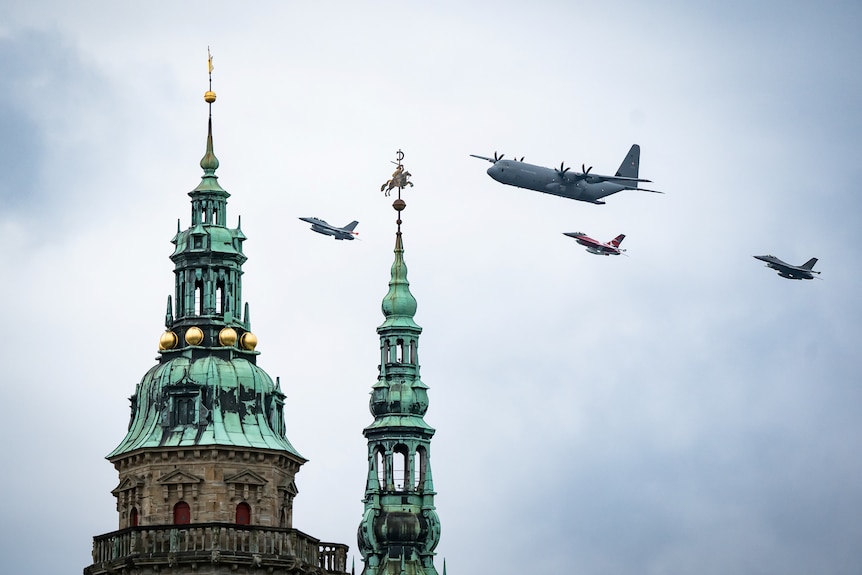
column 681, row 410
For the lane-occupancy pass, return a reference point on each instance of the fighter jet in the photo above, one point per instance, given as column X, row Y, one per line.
column 321, row 227
column 612, row 248
column 785, row 270
column 584, row 185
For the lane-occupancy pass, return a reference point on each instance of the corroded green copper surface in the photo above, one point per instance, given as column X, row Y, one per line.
column 399, row 305
column 207, row 389
column 400, row 528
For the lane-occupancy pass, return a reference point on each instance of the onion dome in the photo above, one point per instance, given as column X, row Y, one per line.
column 209, row 163
column 399, row 305
column 206, row 401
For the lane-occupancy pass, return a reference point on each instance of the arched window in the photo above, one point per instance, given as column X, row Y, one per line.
column 243, row 514
column 184, row 410
column 182, row 513
column 220, row 297
column 400, row 474
column 133, row 517
column 199, row 297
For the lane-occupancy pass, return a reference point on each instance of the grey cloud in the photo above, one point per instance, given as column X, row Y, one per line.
column 47, row 110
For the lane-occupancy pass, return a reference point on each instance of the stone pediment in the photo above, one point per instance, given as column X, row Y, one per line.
column 128, row 482
column 179, row 477
column 290, row 486
column 246, row 485
column 246, row 477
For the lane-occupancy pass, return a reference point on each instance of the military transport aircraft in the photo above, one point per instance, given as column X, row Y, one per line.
column 785, row 270
column 612, row 248
column 583, row 185
column 321, row 227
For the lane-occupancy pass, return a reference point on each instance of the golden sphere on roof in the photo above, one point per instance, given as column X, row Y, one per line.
column 248, row 341
column 194, row 335
column 209, row 96
column 227, row 336
column 168, row 340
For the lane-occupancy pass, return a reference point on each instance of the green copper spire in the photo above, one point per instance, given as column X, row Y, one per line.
column 399, row 305
column 209, row 164
column 207, row 388
column 400, row 528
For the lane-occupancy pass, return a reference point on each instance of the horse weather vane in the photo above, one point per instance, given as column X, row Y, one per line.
column 400, row 179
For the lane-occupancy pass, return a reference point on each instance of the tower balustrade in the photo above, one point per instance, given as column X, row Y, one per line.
column 226, row 544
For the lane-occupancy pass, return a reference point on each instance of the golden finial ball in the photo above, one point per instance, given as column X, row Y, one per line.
column 168, row 340
column 194, row 335
column 209, row 96
column 399, row 204
column 227, row 336
column 248, row 341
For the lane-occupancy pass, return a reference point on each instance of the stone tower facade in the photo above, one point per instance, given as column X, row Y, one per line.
column 399, row 528
column 206, row 472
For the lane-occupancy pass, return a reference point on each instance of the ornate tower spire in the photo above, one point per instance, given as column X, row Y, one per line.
column 208, row 262
column 207, row 474
column 400, row 528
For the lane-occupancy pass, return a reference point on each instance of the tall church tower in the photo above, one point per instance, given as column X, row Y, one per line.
column 206, row 473
column 399, row 528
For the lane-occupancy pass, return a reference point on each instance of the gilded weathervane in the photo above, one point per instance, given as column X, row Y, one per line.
column 399, row 177
column 400, row 181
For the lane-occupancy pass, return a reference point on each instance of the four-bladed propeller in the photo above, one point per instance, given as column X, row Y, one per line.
column 563, row 169
column 583, row 175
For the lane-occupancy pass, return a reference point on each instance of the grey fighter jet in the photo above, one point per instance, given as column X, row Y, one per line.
column 785, row 270
column 584, row 185
column 321, row 227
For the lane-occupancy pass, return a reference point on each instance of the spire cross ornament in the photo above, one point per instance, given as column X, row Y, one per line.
column 400, row 179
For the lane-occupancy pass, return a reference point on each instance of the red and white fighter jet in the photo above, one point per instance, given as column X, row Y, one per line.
column 612, row 248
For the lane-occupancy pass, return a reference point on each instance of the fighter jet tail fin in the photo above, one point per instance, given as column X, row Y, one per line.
column 809, row 264
column 617, row 240
column 629, row 167
column 351, row 226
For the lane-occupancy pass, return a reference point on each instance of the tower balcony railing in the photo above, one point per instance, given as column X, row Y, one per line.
column 280, row 549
